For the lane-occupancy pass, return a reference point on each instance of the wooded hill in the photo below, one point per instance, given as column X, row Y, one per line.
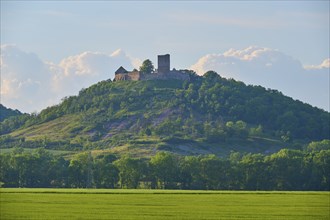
column 206, row 115
column 7, row 112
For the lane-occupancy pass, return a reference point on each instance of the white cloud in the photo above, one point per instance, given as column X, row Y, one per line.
column 94, row 63
column 82, row 70
column 122, row 58
column 31, row 84
column 272, row 69
column 324, row 65
column 24, row 79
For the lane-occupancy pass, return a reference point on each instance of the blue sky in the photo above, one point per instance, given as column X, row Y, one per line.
column 53, row 31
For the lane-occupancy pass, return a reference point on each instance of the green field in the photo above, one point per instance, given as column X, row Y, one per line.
column 161, row 204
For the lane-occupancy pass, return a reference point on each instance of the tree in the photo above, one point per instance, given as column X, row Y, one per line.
column 165, row 169
column 318, row 145
column 39, row 165
column 286, row 167
column 58, row 172
column 20, row 169
column 256, row 131
column 147, row 67
column 80, row 170
column 130, row 172
column 211, row 75
column 190, row 173
column 214, row 172
column 106, row 175
column 238, row 128
column 254, row 171
column 147, row 131
column 6, row 172
column 321, row 161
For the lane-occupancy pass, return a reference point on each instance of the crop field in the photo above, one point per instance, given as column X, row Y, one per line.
column 161, row 204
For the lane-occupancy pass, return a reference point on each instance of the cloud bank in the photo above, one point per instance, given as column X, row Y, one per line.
column 272, row 69
column 31, row 84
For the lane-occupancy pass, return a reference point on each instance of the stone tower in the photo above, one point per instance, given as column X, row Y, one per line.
column 163, row 63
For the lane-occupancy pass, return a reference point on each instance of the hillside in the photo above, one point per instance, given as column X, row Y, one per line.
column 7, row 112
column 208, row 114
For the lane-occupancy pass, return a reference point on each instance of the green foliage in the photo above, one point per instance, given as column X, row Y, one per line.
column 106, row 174
column 12, row 123
column 284, row 170
column 164, row 167
column 256, row 131
column 36, row 169
column 147, row 131
column 190, row 173
column 319, row 145
column 211, row 75
column 147, row 67
column 130, row 172
column 7, row 112
column 80, row 169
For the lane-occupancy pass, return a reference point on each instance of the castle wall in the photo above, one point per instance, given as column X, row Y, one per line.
column 169, row 75
column 136, row 75
column 121, row 77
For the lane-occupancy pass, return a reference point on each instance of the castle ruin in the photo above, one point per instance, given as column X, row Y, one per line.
column 162, row 72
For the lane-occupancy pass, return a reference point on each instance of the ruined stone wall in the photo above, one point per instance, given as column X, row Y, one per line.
column 135, row 76
column 168, row 75
column 121, row 77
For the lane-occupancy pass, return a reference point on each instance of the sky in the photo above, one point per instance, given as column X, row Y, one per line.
column 53, row 49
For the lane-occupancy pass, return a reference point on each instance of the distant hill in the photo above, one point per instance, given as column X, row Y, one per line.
column 208, row 114
column 7, row 112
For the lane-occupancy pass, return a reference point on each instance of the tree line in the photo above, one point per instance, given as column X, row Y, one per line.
column 285, row 170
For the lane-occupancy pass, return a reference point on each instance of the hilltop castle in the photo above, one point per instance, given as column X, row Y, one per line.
column 162, row 72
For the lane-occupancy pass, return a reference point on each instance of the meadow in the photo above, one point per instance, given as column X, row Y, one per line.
column 161, row 204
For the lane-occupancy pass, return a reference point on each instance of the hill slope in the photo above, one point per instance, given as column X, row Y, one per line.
column 209, row 114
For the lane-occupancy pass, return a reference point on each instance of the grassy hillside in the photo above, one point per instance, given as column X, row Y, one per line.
column 206, row 115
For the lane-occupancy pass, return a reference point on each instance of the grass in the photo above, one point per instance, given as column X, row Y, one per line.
column 57, row 129
column 161, row 204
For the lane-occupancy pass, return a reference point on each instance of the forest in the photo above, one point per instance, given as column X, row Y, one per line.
column 284, row 170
